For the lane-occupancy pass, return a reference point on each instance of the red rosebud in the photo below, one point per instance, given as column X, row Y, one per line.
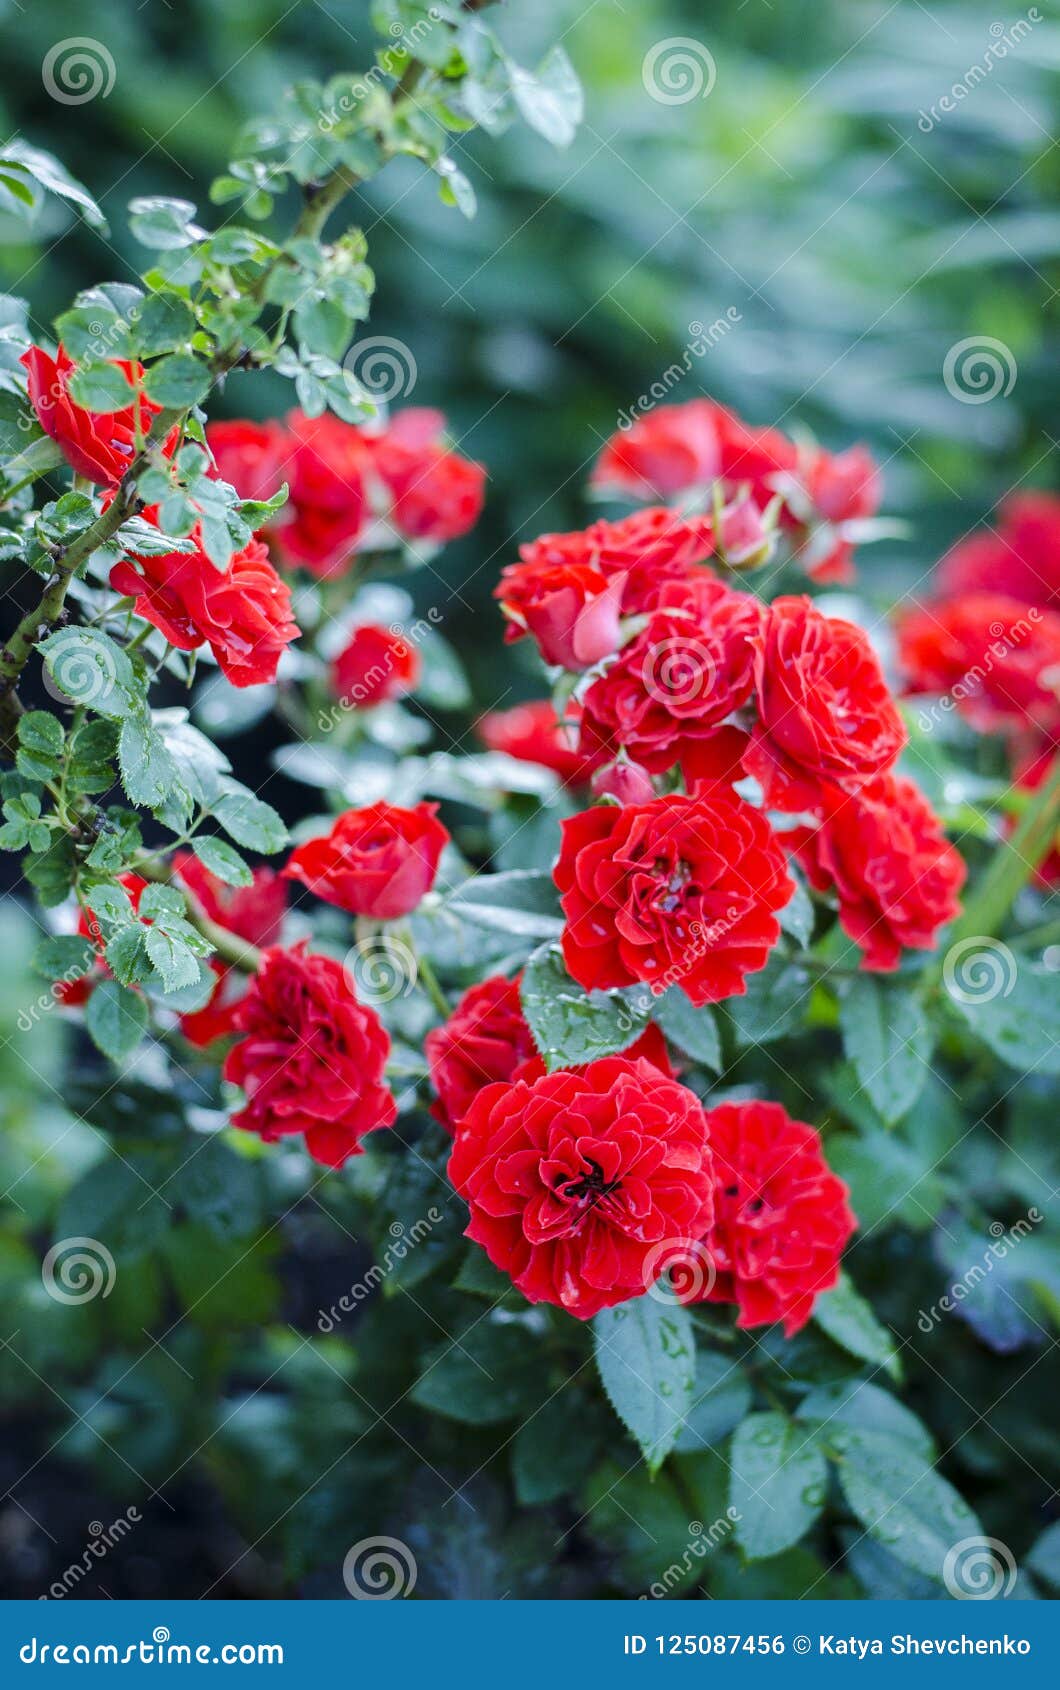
column 677, row 681
column 826, row 716
column 570, row 609
column 375, row 862
column 884, row 853
column 745, row 540
column 531, row 733
column 311, row 1059
column 781, row 1220
column 377, row 665
column 250, row 456
column 574, row 1180
column 627, row 782
column 681, row 891
column 1020, row 559
column 100, row 446
column 843, row 486
column 997, row 659
column 243, row 612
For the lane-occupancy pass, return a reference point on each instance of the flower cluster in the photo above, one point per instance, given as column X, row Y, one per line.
column 344, row 481
column 683, row 685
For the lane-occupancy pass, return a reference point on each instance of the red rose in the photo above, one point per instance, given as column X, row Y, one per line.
column 531, row 733
column 575, row 1179
column 626, row 782
column 669, row 450
column 997, row 660
column 254, row 912
column 375, row 862
column 746, row 539
column 1021, row 559
column 436, row 495
column 327, row 460
column 677, row 681
column 484, row 1040
column 826, row 716
column 377, row 665
column 100, row 446
column 759, row 458
column 251, row 457
column 781, row 1218
column 243, row 613
column 681, row 891
column 843, row 486
column 570, row 609
column 311, row 1059
column 884, row 853
column 647, row 550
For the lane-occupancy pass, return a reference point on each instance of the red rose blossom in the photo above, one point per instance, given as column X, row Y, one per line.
column 484, row 1040
column 377, row 665
column 677, row 681
column 885, row 855
column 326, row 463
column 1020, row 558
column 435, row 494
column 781, row 1220
column 825, row 714
column 574, row 1179
column 531, row 733
column 571, row 610
column 375, row 862
column 311, row 1058
column 647, row 550
column 250, row 456
column 100, row 446
column 681, row 891
column 996, row 659
column 243, row 612
column 671, row 449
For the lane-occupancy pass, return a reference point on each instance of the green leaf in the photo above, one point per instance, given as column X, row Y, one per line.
column 779, row 1483
column 901, row 1502
column 862, row 1405
column 115, row 1019
column 454, row 188
column 55, row 178
column 547, row 1462
column 67, row 957
column 222, row 1190
column 101, row 387
column 522, row 902
column 173, row 957
column 1015, row 1010
column 248, row 820
column 117, row 1201
column 646, row 1354
column 774, row 1004
column 39, row 730
column 164, row 224
column 148, row 772
column 487, row 1375
column 127, row 954
column 889, row 1039
column 571, row 1027
column 220, row 1282
column 721, row 1398
column 550, row 98
column 91, row 669
column 797, row 916
column 223, row 861
column 695, row 1031
column 165, row 321
column 849, row 1321
column 178, row 382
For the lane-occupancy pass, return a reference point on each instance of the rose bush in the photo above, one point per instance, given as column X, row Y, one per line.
column 637, row 1019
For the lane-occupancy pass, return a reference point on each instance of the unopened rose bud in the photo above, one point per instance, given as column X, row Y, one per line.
column 627, row 782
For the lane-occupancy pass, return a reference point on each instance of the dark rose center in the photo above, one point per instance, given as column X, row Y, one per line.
column 589, row 1187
